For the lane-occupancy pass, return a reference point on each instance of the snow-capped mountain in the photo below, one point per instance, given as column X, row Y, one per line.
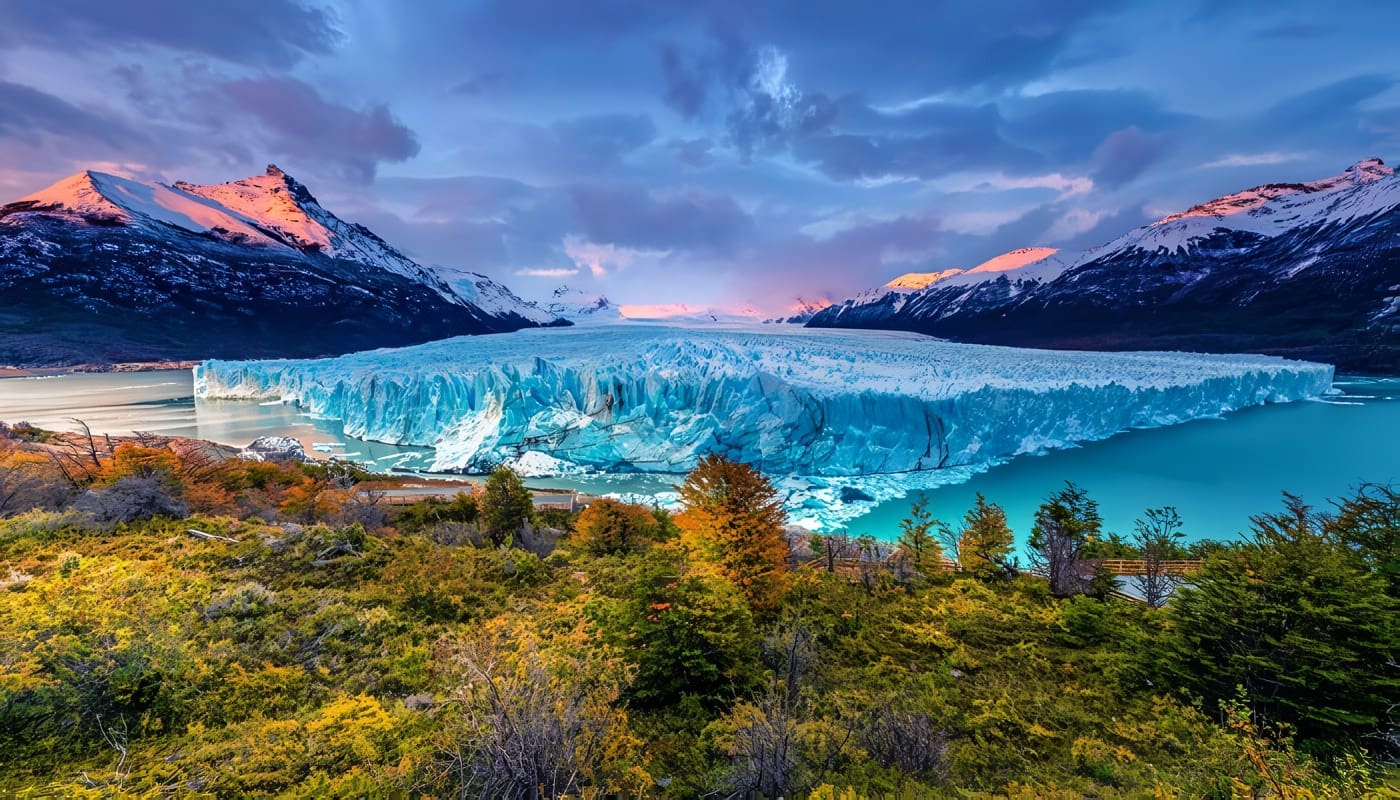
column 1304, row 269
column 800, row 312
column 99, row 267
column 580, row 306
column 498, row 300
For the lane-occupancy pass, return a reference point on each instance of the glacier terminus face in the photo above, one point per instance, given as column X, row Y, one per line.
column 838, row 418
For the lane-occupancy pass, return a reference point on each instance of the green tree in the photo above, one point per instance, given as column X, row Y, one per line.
column 1157, row 538
column 505, row 506
column 1066, row 522
column 917, row 539
column 1294, row 617
column 688, row 634
column 733, row 518
column 984, row 547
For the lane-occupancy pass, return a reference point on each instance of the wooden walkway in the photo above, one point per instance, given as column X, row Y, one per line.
column 1138, row 567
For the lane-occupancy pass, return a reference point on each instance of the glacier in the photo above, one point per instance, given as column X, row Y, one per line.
column 840, row 419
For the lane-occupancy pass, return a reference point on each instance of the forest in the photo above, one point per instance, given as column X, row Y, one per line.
column 179, row 623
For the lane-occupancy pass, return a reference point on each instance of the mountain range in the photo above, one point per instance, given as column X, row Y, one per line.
column 1308, row 270
column 98, row 268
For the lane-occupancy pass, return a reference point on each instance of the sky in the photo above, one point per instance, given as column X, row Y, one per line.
column 720, row 154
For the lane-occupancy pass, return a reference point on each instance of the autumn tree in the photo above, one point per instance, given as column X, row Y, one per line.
column 27, row 480
column 1064, row 523
column 985, row 543
column 505, row 506
column 733, row 518
column 610, row 527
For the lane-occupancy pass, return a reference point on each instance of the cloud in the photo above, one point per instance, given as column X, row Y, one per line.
column 479, row 84
column 1124, row 155
column 693, row 152
column 26, row 111
column 687, row 220
column 600, row 259
column 602, row 138
column 300, row 122
column 863, row 254
column 685, row 85
column 271, row 33
column 1064, row 185
column 1068, row 126
column 1074, row 222
column 555, row 272
column 459, row 197
column 1253, row 159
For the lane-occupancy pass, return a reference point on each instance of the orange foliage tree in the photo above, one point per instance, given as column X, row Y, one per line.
column 608, row 526
column 734, row 519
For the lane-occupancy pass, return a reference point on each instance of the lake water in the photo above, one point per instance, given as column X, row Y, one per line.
column 1216, row 472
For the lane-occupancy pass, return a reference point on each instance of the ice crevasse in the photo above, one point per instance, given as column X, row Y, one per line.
column 813, row 403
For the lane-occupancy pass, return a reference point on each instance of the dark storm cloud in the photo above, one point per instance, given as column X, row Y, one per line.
column 944, row 140
column 1071, row 125
column 274, row 33
column 26, row 112
column 631, row 216
column 303, row 124
column 1326, row 104
column 1124, row 155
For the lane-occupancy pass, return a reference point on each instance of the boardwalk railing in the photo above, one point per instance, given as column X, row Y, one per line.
column 1135, row 567
column 1126, row 567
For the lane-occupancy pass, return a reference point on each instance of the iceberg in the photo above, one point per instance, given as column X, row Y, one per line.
column 839, row 418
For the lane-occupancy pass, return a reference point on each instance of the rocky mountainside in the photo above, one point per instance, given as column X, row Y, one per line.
column 99, row 268
column 1308, row 270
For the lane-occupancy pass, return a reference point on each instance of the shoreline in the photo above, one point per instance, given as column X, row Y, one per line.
column 11, row 371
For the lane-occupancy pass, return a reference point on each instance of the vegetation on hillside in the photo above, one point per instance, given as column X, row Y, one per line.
column 174, row 623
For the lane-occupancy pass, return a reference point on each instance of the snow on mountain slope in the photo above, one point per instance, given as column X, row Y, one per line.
column 113, row 199
column 494, row 298
column 822, row 410
column 799, row 312
column 911, row 281
column 1365, row 188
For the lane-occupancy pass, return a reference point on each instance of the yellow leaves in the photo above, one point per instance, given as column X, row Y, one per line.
column 374, row 617
column 828, row 792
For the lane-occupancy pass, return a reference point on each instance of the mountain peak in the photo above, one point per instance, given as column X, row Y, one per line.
column 1367, row 170
column 274, row 171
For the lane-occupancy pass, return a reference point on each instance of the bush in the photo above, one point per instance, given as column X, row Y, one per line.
column 131, row 498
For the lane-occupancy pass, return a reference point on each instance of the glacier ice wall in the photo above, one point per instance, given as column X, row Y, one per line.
column 819, row 403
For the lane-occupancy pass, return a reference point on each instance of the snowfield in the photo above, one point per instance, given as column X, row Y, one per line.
column 840, row 419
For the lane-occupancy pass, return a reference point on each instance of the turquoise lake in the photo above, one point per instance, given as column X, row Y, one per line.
column 1216, row 472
